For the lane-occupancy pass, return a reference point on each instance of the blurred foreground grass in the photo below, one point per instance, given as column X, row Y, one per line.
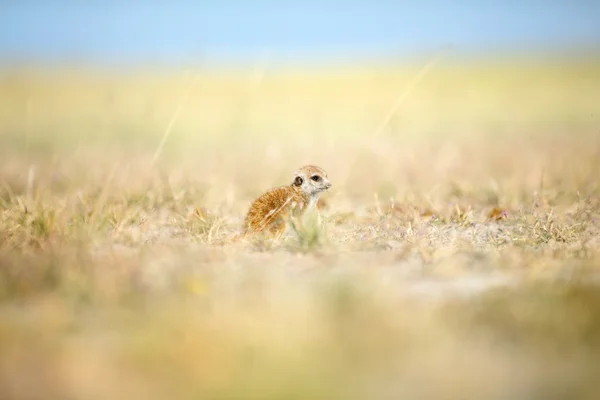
column 458, row 256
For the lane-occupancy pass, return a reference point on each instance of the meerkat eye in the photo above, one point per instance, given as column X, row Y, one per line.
column 316, row 178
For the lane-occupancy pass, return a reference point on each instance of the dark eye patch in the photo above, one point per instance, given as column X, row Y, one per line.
column 315, row 178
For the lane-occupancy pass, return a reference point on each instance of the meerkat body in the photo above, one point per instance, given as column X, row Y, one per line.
column 271, row 211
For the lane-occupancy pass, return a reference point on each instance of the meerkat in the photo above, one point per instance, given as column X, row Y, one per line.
column 271, row 211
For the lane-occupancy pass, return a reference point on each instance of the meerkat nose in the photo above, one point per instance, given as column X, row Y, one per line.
column 328, row 185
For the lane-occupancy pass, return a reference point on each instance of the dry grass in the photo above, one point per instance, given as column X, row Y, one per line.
column 457, row 256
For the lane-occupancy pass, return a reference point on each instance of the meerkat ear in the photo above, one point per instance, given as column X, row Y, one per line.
column 298, row 181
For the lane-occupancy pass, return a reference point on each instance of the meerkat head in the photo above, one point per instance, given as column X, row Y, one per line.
column 312, row 180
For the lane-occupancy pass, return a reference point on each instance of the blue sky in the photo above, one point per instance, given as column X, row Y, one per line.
column 191, row 31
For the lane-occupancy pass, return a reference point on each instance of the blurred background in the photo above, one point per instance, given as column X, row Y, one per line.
column 459, row 244
column 290, row 80
column 174, row 77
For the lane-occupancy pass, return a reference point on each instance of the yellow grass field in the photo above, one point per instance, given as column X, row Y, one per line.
column 457, row 256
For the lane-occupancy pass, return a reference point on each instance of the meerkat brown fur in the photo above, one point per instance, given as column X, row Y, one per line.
column 270, row 211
